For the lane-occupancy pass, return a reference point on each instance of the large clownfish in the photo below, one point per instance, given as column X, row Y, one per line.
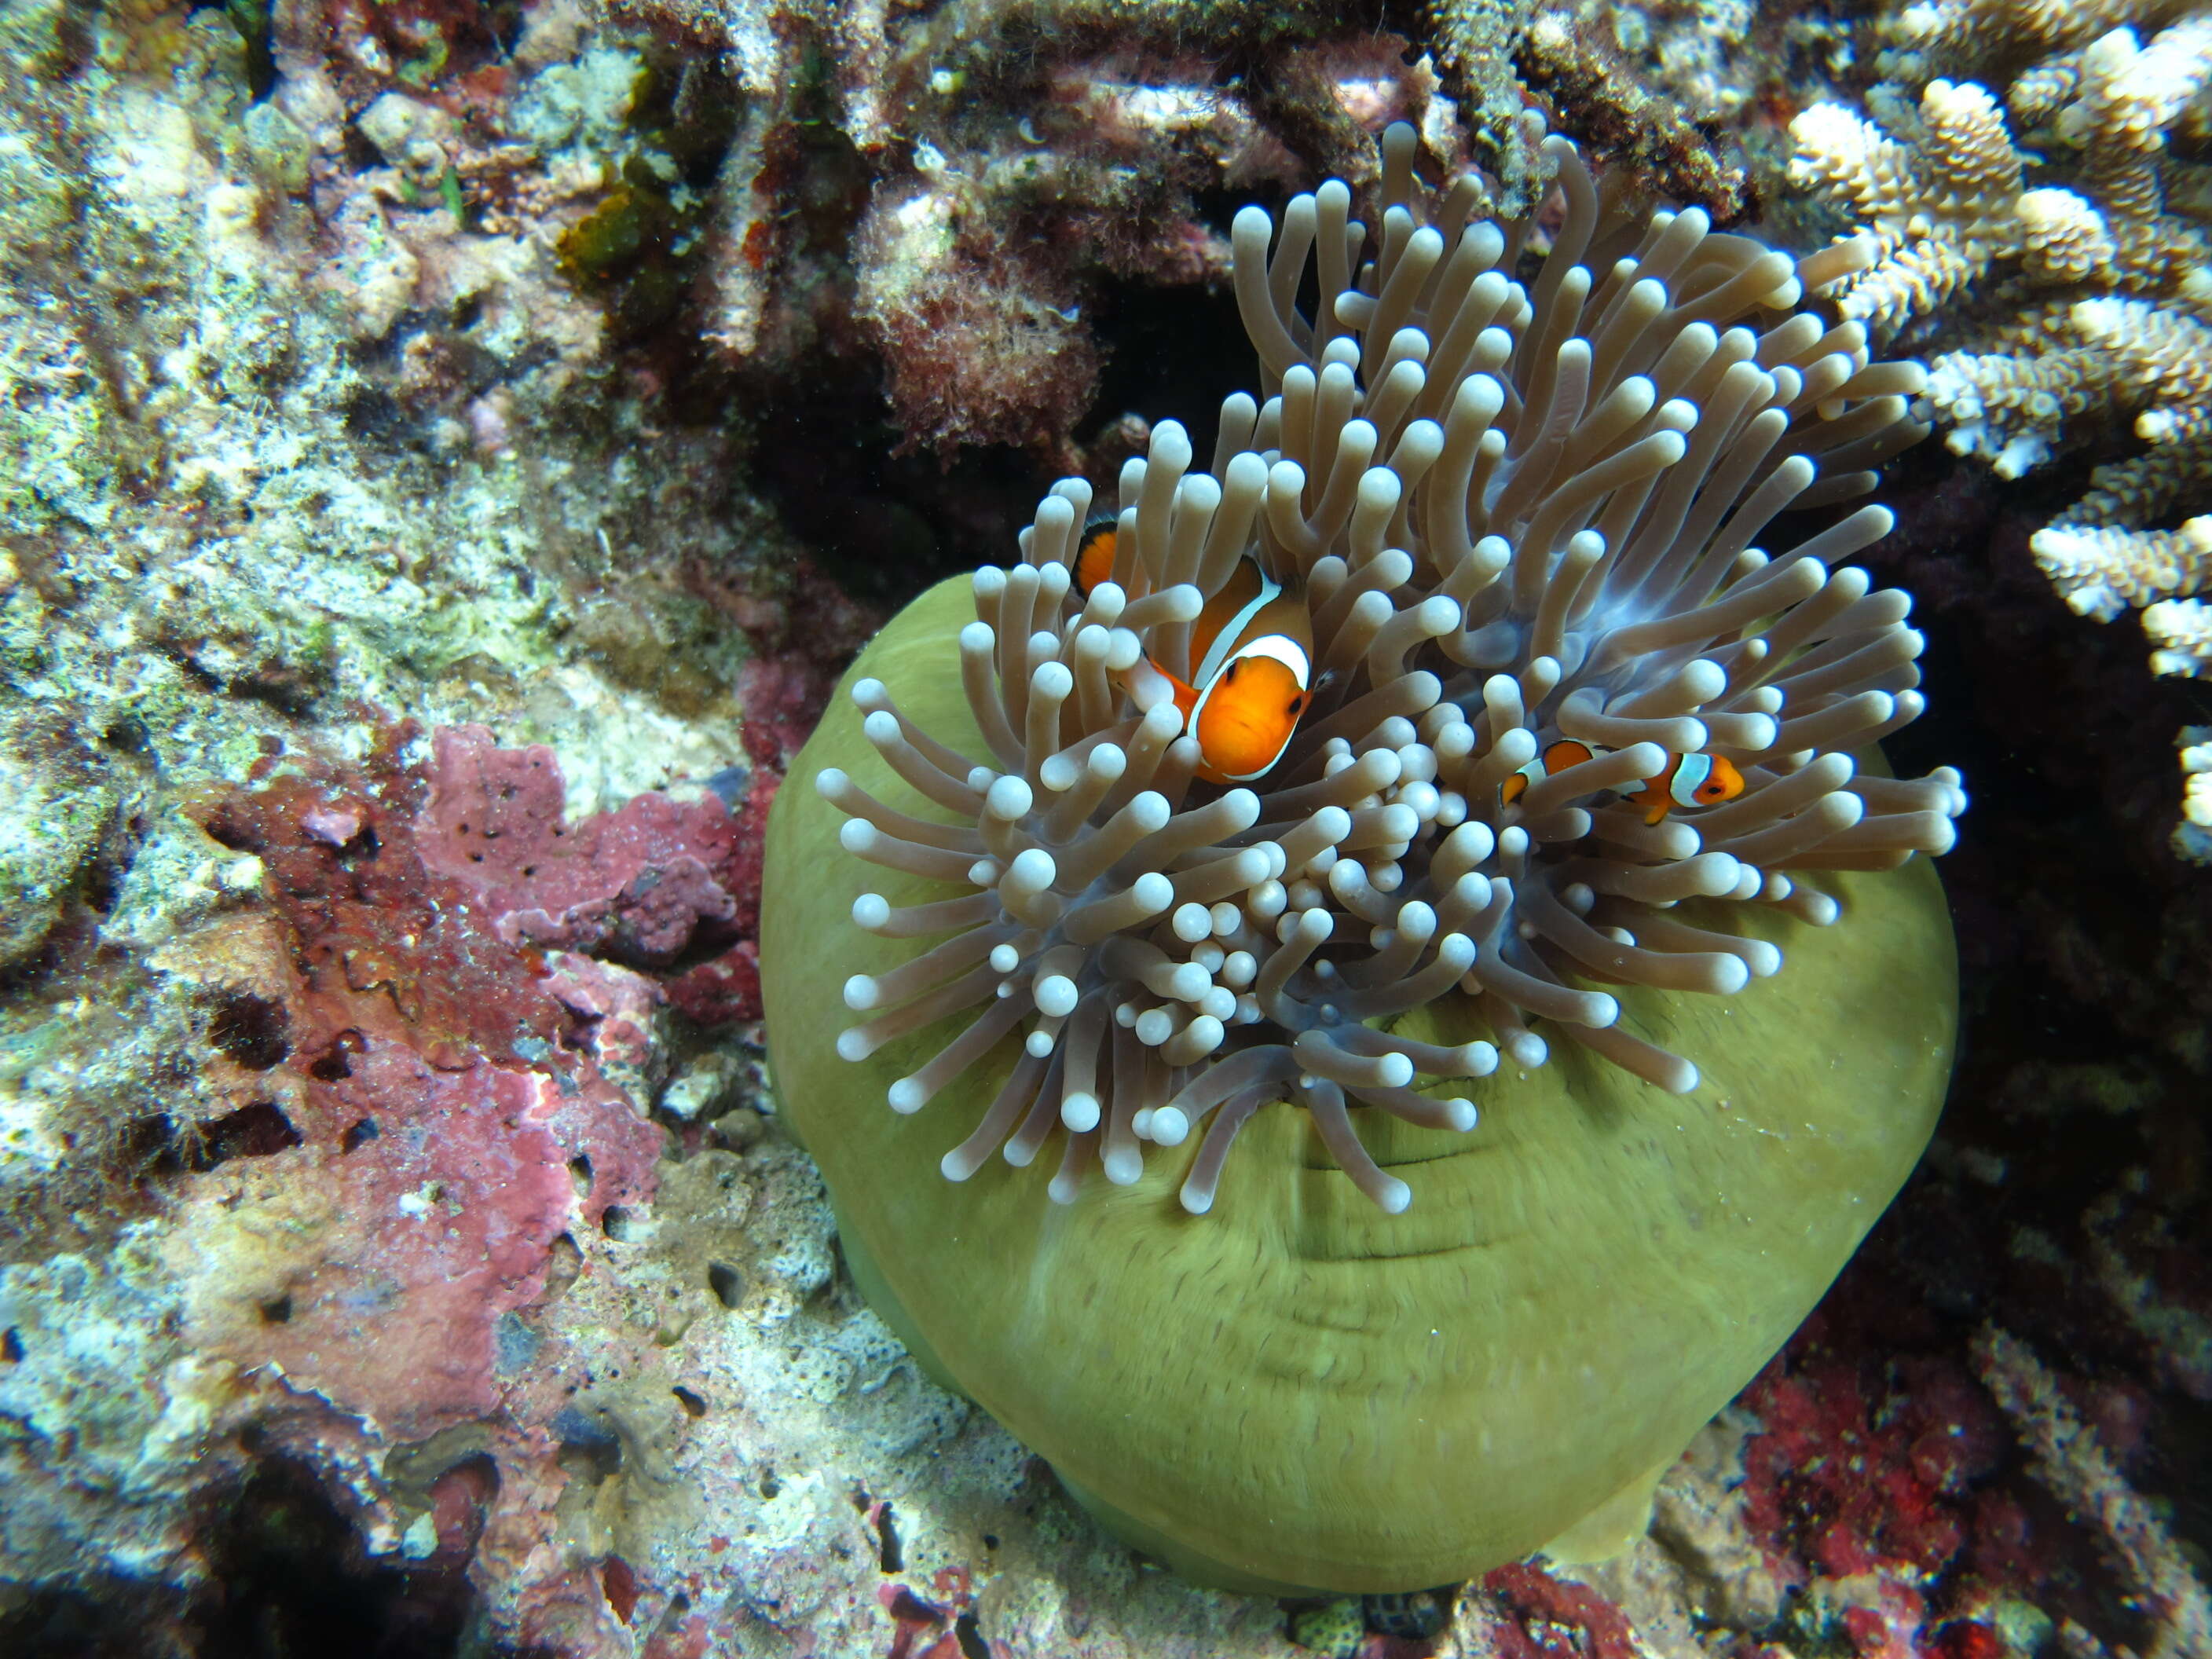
column 1253, row 646
column 1688, row 781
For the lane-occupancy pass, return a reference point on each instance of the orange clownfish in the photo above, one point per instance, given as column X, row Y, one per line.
column 1688, row 781
column 1253, row 645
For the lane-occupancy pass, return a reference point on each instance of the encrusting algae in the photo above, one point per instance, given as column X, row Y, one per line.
column 1568, row 729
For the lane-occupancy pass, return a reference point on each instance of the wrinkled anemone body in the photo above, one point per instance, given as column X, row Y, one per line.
column 1523, row 500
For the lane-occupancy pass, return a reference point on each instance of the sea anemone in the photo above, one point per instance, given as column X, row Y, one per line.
column 1381, row 1347
column 1520, row 514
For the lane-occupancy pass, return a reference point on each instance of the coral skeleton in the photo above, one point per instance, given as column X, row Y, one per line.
column 1519, row 513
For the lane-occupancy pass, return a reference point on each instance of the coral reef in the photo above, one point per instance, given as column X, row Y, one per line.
column 406, row 402
column 2066, row 306
column 400, row 1245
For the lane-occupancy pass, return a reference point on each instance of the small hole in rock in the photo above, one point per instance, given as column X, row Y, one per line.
column 337, row 1061
column 888, row 1551
column 277, row 1311
column 252, row 1030
column 11, row 1346
column 990, row 1540
column 769, row 1486
column 580, row 1171
column 256, row 1131
column 692, row 1404
column 726, row 1283
column 355, row 1134
column 970, row 1636
column 589, row 1449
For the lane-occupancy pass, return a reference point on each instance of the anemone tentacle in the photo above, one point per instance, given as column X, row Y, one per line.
column 1520, row 513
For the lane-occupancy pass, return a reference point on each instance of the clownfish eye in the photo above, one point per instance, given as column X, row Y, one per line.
column 1296, row 707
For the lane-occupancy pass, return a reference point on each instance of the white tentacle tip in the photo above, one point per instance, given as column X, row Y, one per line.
column 1079, row 1112
column 1153, row 891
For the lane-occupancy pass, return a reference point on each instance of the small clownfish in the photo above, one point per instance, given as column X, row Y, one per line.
column 1688, row 781
column 1253, row 643
column 1557, row 757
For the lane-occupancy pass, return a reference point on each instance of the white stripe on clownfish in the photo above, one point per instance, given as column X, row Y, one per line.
column 1690, row 774
column 1224, row 644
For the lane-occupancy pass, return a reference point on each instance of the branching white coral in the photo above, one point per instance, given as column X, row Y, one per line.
column 1956, row 33
column 2181, row 629
column 2091, row 304
column 1935, row 214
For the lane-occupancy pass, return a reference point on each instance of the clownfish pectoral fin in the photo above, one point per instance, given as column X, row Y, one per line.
column 1186, row 697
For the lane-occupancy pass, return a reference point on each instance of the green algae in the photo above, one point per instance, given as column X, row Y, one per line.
column 1298, row 1390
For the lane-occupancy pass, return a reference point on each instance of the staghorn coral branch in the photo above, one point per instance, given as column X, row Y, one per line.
column 2074, row 307
column 2181, row 631
column 2065, row 1456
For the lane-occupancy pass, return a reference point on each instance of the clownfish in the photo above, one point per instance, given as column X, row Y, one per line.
column 1094, row 552
column 1688, row 781
column 1253, row 646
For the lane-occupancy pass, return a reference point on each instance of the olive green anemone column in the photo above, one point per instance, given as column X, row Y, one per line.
column 1298, row 1390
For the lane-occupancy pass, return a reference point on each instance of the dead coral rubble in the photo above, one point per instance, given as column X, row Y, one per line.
column 1002, row 161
